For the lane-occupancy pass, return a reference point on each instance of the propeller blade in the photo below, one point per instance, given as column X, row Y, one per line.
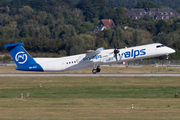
column 116, row 57
column 118, row 46
column 116, row 51
column 115, row 46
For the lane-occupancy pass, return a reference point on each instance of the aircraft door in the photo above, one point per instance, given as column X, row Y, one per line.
column 63, row 65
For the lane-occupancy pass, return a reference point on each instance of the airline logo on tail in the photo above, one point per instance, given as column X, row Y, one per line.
column 21, row 57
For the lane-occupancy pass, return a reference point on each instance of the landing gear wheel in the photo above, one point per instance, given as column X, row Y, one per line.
column 94, row 71
column 98, row 69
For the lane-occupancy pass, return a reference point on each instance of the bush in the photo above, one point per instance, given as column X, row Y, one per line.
column 7, row 58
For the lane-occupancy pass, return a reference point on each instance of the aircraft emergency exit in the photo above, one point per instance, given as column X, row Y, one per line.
column 93, row 58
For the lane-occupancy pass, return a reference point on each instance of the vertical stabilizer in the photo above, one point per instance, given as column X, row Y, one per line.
column 22, row 58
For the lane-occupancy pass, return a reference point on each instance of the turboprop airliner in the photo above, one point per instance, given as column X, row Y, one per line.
column 93, row 58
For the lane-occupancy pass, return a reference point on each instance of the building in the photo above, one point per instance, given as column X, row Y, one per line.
column 156, row 13
column 3, row 8
column 104, row 24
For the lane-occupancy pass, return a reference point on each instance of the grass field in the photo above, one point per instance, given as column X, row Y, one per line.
column 90, row 98
column 144, row 69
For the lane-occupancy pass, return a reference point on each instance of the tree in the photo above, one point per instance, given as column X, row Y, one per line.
column 162, row 26
column 44, row 32
column 120, row 34
column 32, row 31
column 108, row 35
column 18, row 3
column 4, row 3
column 136, row 37
column 26, row 11
column 108, row 13
column 71, row 3
column 161, row 38
column 38, row 4
column 121, row 18
column 42, row 15
column 75, row 45
column 88, row 41
column 151, row 27
column 91, row 8
column 100, row 39
column 146, row 4
column 147, row 18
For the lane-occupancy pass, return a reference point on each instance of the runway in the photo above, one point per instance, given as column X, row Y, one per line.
column 89, row 75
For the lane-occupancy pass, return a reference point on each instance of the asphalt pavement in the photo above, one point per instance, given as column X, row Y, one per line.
column 89, row 74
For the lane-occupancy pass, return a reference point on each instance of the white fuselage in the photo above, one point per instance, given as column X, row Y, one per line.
column 104, row 57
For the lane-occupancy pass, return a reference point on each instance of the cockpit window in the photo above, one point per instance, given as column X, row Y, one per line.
column 159, row 46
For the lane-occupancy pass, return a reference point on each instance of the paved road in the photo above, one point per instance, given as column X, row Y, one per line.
column 89, row 74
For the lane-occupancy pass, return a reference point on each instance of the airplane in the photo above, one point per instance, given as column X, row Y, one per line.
column 93, row 58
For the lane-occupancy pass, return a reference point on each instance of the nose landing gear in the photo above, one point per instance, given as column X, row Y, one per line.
column 167, row 57
column 94, row 71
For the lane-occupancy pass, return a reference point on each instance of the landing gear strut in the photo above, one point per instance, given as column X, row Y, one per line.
column 167, row 57
column 94, row 71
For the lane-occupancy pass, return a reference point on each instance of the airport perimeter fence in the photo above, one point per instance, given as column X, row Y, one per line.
column 7, row 63
column 152, row 63
column 136, row 63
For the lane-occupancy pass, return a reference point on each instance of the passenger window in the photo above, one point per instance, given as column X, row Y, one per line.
column 74, row 61
column 67, row 63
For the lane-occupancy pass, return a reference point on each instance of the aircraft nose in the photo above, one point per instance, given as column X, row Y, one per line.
column 170, row 50
column 173, row 50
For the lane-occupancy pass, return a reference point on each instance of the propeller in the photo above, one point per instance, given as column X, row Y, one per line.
column 116, row 51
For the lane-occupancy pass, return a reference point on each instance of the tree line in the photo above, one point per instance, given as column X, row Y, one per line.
column 63, row 26
column 132, row 3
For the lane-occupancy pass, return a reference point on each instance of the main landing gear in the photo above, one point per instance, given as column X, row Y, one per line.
column 94, row 71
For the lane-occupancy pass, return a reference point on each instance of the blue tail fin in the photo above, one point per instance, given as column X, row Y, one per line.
column 22, row 58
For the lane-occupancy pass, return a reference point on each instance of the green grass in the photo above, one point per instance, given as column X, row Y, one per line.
column 90, row 98
column 144, row 69
column 90, row 87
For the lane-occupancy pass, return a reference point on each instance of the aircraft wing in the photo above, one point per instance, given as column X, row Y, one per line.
column 94, row 52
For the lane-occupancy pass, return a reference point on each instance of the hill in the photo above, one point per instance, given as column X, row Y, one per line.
column 130, row 3
column 63, row 26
